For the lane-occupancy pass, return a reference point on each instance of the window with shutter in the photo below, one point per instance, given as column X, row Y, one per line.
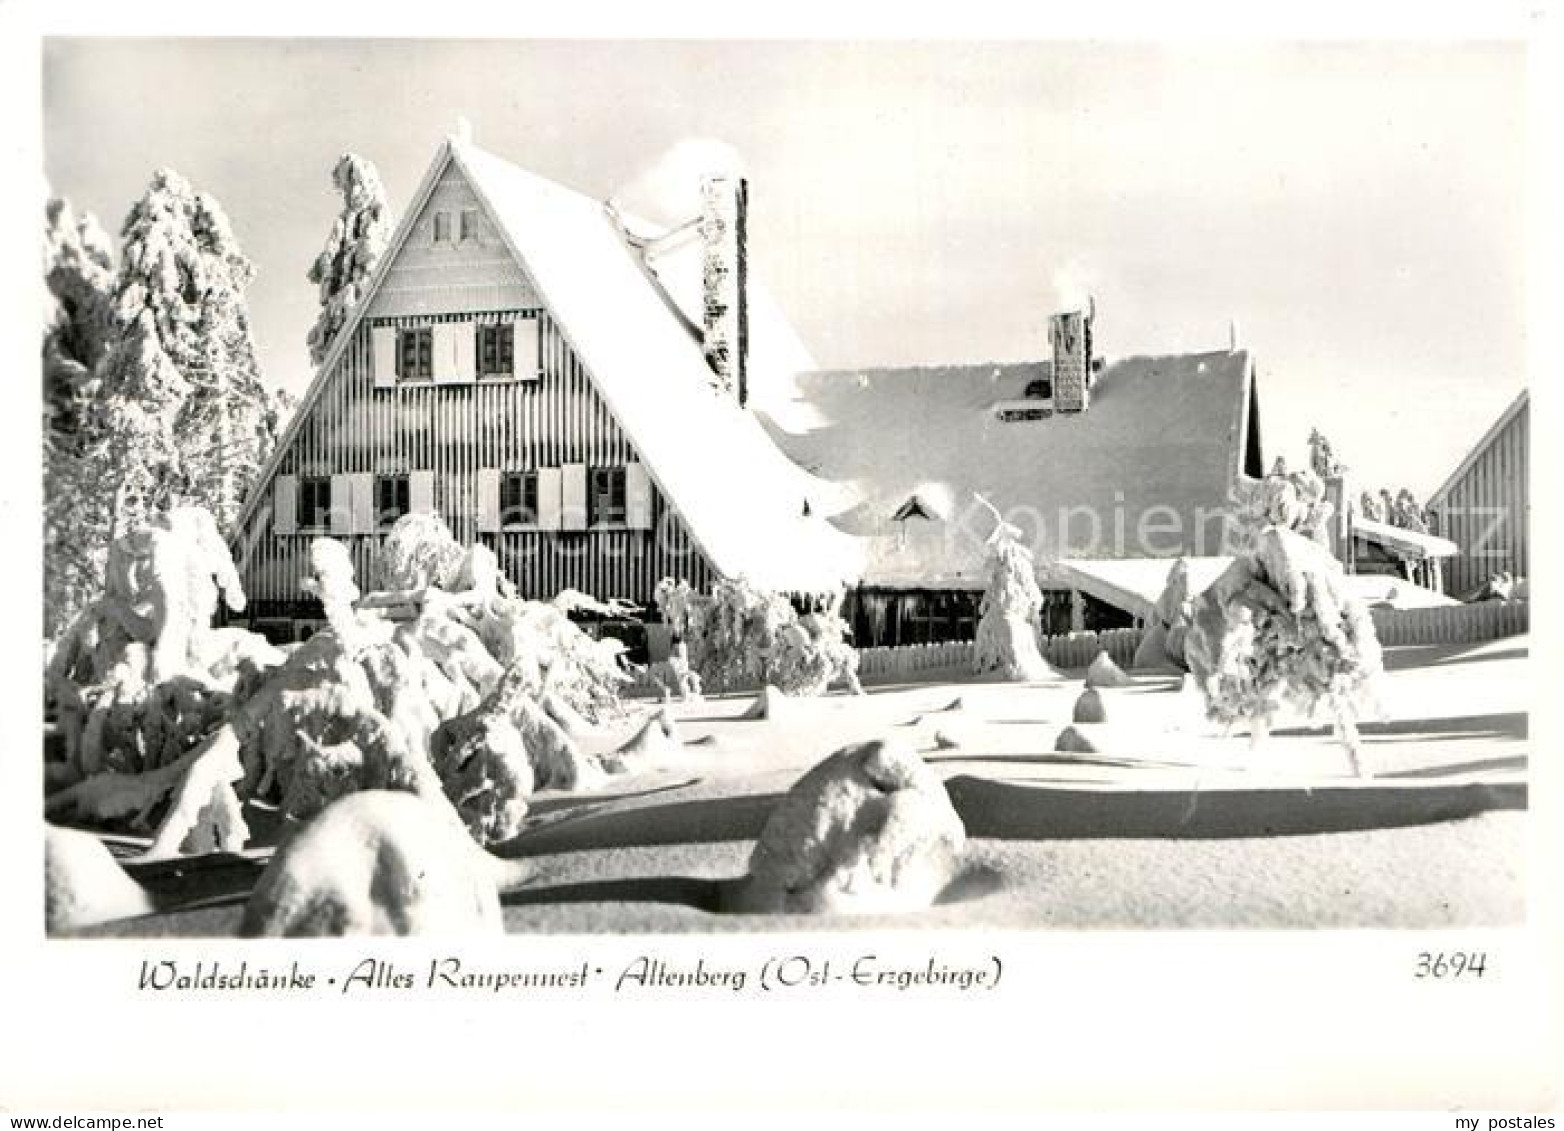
column 551, row 498
column 384, row 339
column 638, row 497
column 339, row 518
column 496, row 350
column 519, row 498
column 527, row 349
column 420, row 492
column 285, row 505
column 392, row 499
column 574, row 495
column 415, row 354
column 447, row 351
column 606, row 498
column 313, row 513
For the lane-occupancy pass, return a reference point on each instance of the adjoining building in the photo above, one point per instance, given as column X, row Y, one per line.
column 1484, row 504
column 1142, row 457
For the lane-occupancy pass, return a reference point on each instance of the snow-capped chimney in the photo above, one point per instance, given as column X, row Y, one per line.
column 724, row 286
column 1071, row 335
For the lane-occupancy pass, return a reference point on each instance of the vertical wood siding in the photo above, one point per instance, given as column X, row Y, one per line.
column 1487, row 510
column 454, row 431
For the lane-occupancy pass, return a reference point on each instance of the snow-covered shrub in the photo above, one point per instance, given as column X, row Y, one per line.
column 419, row 551
column 1008, row 627
column 1289, row 500
column 741, row 636
column 1168, row 626
column 1280, row 627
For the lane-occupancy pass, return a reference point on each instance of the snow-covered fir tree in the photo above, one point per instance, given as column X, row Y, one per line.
column 1008, row 626
column 357, row 240
column 79, row 328
column 187, row 411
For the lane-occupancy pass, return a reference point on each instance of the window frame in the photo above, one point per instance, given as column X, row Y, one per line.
column 463, row 234
column 617, row 485
column 422, row 353
column 526, row 483
column 502, row 335
column 442, row 218
column 316, row 489
column 401, row 485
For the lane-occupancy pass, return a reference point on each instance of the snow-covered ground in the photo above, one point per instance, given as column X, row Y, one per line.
column 1169, row 825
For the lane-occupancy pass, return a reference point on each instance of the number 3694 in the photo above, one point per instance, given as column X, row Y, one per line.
column 1457, row 964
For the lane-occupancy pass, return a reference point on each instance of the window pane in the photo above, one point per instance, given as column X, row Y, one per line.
column 442, row 227
column 469, row 223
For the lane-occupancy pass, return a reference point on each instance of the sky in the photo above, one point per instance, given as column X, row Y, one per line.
column 1357, row 210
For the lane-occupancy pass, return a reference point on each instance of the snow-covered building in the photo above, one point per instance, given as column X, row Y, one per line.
column 1141, row 457
column 607, row 400
column 1484, row 503
column 568, row 389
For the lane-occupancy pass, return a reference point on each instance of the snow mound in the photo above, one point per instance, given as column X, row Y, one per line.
column 771, row 703
column 869, row 829
column 376, row 863
column 1090, row 707
column 1103, row 672
column 657, row 741
column 83, row 885
column 1077, row 739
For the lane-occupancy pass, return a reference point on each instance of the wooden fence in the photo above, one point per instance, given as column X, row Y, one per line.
column 1074, row 650
column 1452, row 624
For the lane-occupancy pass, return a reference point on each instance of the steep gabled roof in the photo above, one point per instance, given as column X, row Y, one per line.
column 1481, row 446
column 741, row 498
column 1159, row 432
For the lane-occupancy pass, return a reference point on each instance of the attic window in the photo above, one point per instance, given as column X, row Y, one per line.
column 469, row 224
column 442, row 227
column 912, row 508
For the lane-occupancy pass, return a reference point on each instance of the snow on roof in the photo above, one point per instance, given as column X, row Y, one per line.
column 741, row 497
column 1135, row 584
column 1404, row 543
column 1161, row 444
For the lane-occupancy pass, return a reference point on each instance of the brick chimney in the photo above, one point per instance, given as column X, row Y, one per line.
column 1071, row 335
column 724, row 285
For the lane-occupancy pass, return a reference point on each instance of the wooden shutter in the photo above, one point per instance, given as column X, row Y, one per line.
column 444, row 355
column 638, row 497
column 285, row 505
column 341, row 513
column 363, row 504
column 466, row 345
column 384, row 360
column 573, row 505
column 526, row 349
column 420, row 492
column 550, row 498
column 488, row 500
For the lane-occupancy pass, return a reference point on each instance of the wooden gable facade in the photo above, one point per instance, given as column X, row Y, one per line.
column 457, row 393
